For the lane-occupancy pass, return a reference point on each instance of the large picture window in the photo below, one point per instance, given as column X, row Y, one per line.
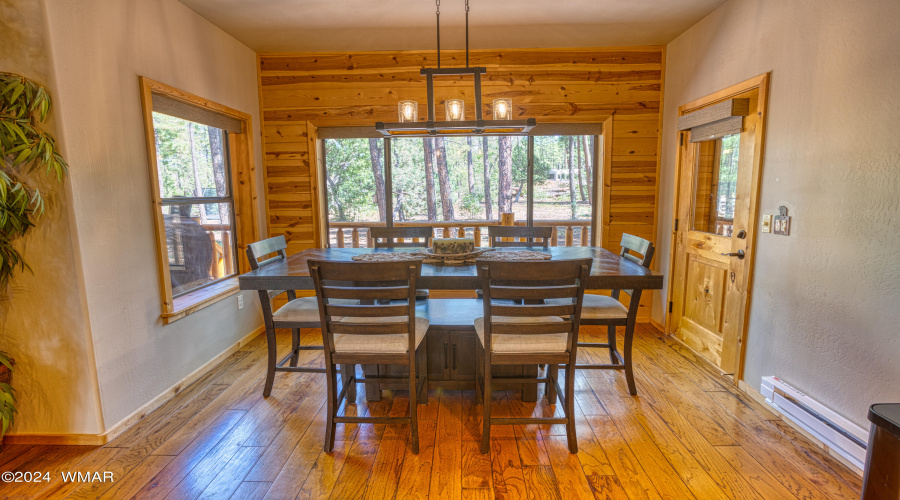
column 198, row 151
column 461, row 184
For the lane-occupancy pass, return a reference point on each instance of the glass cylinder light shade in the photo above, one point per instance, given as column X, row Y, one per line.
column 455, row 109
column 503, row 109
column 409, row 111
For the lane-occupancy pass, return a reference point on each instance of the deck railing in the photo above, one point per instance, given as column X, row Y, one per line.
column 356, row 234
column 220, row 237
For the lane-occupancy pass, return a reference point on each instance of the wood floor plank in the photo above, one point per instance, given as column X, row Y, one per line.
column 567, row 468
column 251, row 490
column 388, row 465
column 94, row 462
column 415, row 477
column 540, row 482
column 749, row 469
column 507, row 475
column 626, row 466
column 230, row 477
column 135, row 480
column 325, row 472
column 834, row 466
column 607, row 488
column 292, row 475
column 446, row 479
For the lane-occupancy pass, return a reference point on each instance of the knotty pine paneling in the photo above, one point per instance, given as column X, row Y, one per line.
column 299, row 92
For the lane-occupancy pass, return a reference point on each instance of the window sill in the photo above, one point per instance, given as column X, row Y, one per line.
column 192, row 302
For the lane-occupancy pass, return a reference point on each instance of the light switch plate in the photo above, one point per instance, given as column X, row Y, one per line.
column 767, row 224
column 782, row 225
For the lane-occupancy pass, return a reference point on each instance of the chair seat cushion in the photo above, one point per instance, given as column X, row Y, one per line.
column 598, row 307
column 397, row 343
column 503, row 343
column 305, row 310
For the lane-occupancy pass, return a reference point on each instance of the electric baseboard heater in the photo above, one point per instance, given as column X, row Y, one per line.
column 841, row 435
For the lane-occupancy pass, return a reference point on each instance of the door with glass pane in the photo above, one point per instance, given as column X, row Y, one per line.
column 717, row 186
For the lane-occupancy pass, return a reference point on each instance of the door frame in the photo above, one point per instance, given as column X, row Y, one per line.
column 761, row 83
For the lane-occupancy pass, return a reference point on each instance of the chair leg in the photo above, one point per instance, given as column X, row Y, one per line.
column 295, row 344
column 550, row 386
column 421, row 370
column 348, row 374
column 413, row 404
column 486, row 409
column 570, row 408
column 629, row 372
column 611, row 338
column 330, row 426
column 270, row 362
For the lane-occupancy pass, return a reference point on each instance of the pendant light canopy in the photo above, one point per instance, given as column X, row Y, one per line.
column 408, row 124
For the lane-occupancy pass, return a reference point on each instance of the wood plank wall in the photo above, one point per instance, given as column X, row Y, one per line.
column 302, row 91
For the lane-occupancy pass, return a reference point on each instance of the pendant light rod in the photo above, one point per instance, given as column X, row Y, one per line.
column 438, row 5
column 467, row 33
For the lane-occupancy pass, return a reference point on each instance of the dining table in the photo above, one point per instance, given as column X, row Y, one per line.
column 451, row 339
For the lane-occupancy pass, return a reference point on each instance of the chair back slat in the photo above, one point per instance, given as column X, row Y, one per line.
column 366, row 293
column 395, row 237
column 499, row 328
column 259, row 249
column 530, row 234
column 547, row 292
column 341, row 327
column 355, row 310
column 532, row 281
column 534, row 310
column 631, row 243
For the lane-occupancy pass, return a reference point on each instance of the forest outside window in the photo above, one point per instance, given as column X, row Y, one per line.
column 458, row 184
column 197, row 150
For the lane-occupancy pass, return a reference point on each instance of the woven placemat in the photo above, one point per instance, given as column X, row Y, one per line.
column 453, row 260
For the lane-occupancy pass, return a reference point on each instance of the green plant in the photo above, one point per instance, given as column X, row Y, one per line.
column 25, row 149
column 7, row 399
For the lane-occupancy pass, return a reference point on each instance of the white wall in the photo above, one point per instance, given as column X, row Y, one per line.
column 99, row 48
column 824, row 315
column 43, row 314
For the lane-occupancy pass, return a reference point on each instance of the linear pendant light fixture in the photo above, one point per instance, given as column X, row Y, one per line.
column 454, row 124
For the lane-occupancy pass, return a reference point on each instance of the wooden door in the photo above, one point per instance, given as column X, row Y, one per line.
column 715, row 226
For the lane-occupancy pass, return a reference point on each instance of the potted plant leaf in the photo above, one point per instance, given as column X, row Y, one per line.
column 26, row 151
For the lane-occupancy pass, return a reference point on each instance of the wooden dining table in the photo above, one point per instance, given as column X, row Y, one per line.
column 451, row 338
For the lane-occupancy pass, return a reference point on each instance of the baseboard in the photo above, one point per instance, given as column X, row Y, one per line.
column 759, row 398
column 658, row 325
column 137, row 415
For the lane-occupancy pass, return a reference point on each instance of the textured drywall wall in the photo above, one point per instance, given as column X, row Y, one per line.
column 42, row 316
column 824, row 313
column 99, row 49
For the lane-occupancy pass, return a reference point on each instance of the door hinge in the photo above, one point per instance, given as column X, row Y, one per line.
column 681, row 139
column 670, row 307
column 676, row 224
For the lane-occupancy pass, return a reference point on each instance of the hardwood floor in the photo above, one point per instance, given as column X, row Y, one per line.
column 687, row 434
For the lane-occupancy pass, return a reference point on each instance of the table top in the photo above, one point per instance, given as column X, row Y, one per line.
column 609, row 270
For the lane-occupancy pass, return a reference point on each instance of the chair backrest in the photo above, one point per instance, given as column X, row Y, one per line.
column 644, row 248
column 374, row 285
column 530, row 234
column 395, row 237
column 530, row 282
column 260, row 249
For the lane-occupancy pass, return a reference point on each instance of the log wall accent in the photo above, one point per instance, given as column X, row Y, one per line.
column 301, row 91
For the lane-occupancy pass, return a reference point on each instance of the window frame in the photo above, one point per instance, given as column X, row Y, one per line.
column 241, row 177
column 600, row 175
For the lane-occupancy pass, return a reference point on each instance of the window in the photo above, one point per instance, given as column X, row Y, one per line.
column 716, row 185
column 460, row 184
column 191, row 144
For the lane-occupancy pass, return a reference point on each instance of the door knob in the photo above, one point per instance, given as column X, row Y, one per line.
column 739, row 254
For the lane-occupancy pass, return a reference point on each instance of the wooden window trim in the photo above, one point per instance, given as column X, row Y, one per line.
column 243, row 185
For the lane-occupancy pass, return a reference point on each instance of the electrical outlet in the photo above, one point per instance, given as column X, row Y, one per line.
column 240, row 302
column 767, row 224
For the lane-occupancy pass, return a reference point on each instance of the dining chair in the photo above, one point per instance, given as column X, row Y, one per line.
column 536, row 332
column 529, row 233
column 299, row 312
column 607, row 310
column 395, row 237
column 375, row 331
